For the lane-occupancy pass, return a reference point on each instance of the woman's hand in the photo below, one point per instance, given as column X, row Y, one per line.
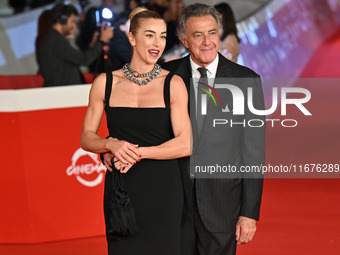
column 127, row 153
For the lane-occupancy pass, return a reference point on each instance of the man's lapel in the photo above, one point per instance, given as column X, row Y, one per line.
column 223, row 71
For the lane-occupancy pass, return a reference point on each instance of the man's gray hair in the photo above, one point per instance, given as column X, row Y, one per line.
column 195, row 10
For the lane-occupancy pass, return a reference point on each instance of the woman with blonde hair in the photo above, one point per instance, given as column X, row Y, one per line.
column 147, row 116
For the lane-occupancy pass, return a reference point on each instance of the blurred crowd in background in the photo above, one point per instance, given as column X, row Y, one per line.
column 92, row 17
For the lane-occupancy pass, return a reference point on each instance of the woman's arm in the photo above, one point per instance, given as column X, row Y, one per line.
column 90, row 141
column 179, row 146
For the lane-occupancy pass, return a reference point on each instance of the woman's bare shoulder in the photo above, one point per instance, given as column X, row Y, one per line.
column 99, row 81
column 177, row 86
column 178, row 80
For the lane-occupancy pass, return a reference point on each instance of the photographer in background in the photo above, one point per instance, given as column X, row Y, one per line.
column 59, row 61
column 94, row 19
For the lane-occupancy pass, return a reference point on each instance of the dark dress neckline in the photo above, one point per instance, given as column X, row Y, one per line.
column 166, row 93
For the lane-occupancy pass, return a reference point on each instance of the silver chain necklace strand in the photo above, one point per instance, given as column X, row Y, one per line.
column 132, row 75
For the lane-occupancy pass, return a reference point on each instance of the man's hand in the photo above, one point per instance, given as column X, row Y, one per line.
column 123, row 168
column 107, row 157
column 245, row 230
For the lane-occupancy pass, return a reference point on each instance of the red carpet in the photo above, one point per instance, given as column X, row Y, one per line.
column 89, row 246
column 325, row 62
column 299, row 216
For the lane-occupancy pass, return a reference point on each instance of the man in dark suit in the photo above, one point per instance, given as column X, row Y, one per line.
column 59, row 62
column 219, row 212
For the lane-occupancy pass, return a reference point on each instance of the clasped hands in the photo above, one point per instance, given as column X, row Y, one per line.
column 122, row 154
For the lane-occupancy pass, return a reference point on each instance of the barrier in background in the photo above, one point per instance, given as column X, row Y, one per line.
column 30, row 81
column 49, row 189
column 21, row 81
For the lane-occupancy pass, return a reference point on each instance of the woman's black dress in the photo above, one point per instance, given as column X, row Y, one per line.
column 154, row 186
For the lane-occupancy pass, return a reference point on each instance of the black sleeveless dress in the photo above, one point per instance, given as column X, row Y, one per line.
column 154, row 186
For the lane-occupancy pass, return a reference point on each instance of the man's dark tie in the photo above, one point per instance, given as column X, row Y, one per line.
column 202, row 80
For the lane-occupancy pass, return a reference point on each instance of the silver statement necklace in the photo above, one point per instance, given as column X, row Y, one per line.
column 132, row 75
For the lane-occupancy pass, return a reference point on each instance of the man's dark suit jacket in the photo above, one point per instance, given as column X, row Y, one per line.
column 60, row 62
column 222, row 200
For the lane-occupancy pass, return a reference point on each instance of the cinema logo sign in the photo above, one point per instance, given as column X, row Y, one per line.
column 87, row 168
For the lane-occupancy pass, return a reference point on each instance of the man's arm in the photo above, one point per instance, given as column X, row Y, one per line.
column 253, row 154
